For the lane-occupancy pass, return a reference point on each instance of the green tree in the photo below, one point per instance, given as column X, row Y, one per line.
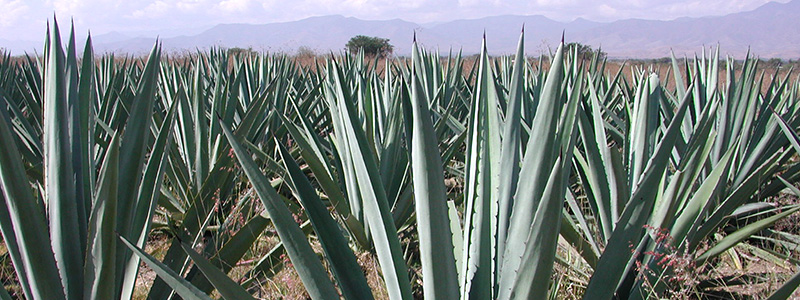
column 238, row 51
column 584, row 51
column 371, row 45
column 774, row 62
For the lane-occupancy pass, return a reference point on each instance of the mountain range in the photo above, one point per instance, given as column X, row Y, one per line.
column 771, row 30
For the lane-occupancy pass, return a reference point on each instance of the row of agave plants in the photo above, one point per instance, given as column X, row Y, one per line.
column 500, row 171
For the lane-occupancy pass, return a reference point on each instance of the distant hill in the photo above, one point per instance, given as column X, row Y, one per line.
column 768, row 31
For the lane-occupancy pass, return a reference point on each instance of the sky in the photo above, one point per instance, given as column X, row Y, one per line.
column 27, row 19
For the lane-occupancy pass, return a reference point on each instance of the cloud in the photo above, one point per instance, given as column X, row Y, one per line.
column 192, row 5
column 161, row 8
column 155, row 9
column 29, row 17
column 12, row 10
column 667, row 10
column 67, row 6
column 235, row 6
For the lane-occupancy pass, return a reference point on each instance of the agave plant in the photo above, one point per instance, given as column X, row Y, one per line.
column 72, row 183
column 500, row 172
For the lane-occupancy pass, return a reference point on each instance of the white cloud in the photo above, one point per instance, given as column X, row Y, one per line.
column 12, row 10
column 155, row 9
column 234, row 6
column 66, row 6
column 191, row 5
column 28, row 17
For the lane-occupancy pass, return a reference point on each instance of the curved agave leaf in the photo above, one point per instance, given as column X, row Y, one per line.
column 630, row 227
column 440, row 280
column 101, row 269
column 182, row 287
column 317, row 162
column 224, row 284
column 147, row 200
column 133, row 153
column 743, row 233
column 538, row 164
column 787, row 289
column 59, row 183
column 372, row 192
column 537, row 262
column 233, row 250
column 341, row 258
column 26, row 225
column 305, row 261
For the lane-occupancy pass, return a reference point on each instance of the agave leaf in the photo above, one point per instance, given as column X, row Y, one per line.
column 4, row 294
column 511, row 154
column 438, row 267
column 373, row 194
column 743, row 233
column 59, row 183
column 583, row 225
column 536, row 265
column 342, row 260
column 735, row 199
column 81, row 166
column 149, row 192
column 481, row 172
column 228, row 288
column 308, row 266
column 691, row 213
column 458, row 238
column 787, row 289
column 218, row 100
column 341, row 147
column 100, row 269
column 791, row 135
column 85, row 123
column 537, row 165
column 182, row 287
column 537, row 262
column 316, row 161
column 790, row 186
column 133, row 151
column 601, row 175
column 680, row 84
column 643, row 127
column 26, row 222
column 200, row 128
column 630, row 227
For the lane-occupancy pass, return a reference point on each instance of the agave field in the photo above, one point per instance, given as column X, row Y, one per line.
column 492, row 178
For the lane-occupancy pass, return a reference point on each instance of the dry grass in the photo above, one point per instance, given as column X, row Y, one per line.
column 157, row 246
column 747, row 275
column 284, row 284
